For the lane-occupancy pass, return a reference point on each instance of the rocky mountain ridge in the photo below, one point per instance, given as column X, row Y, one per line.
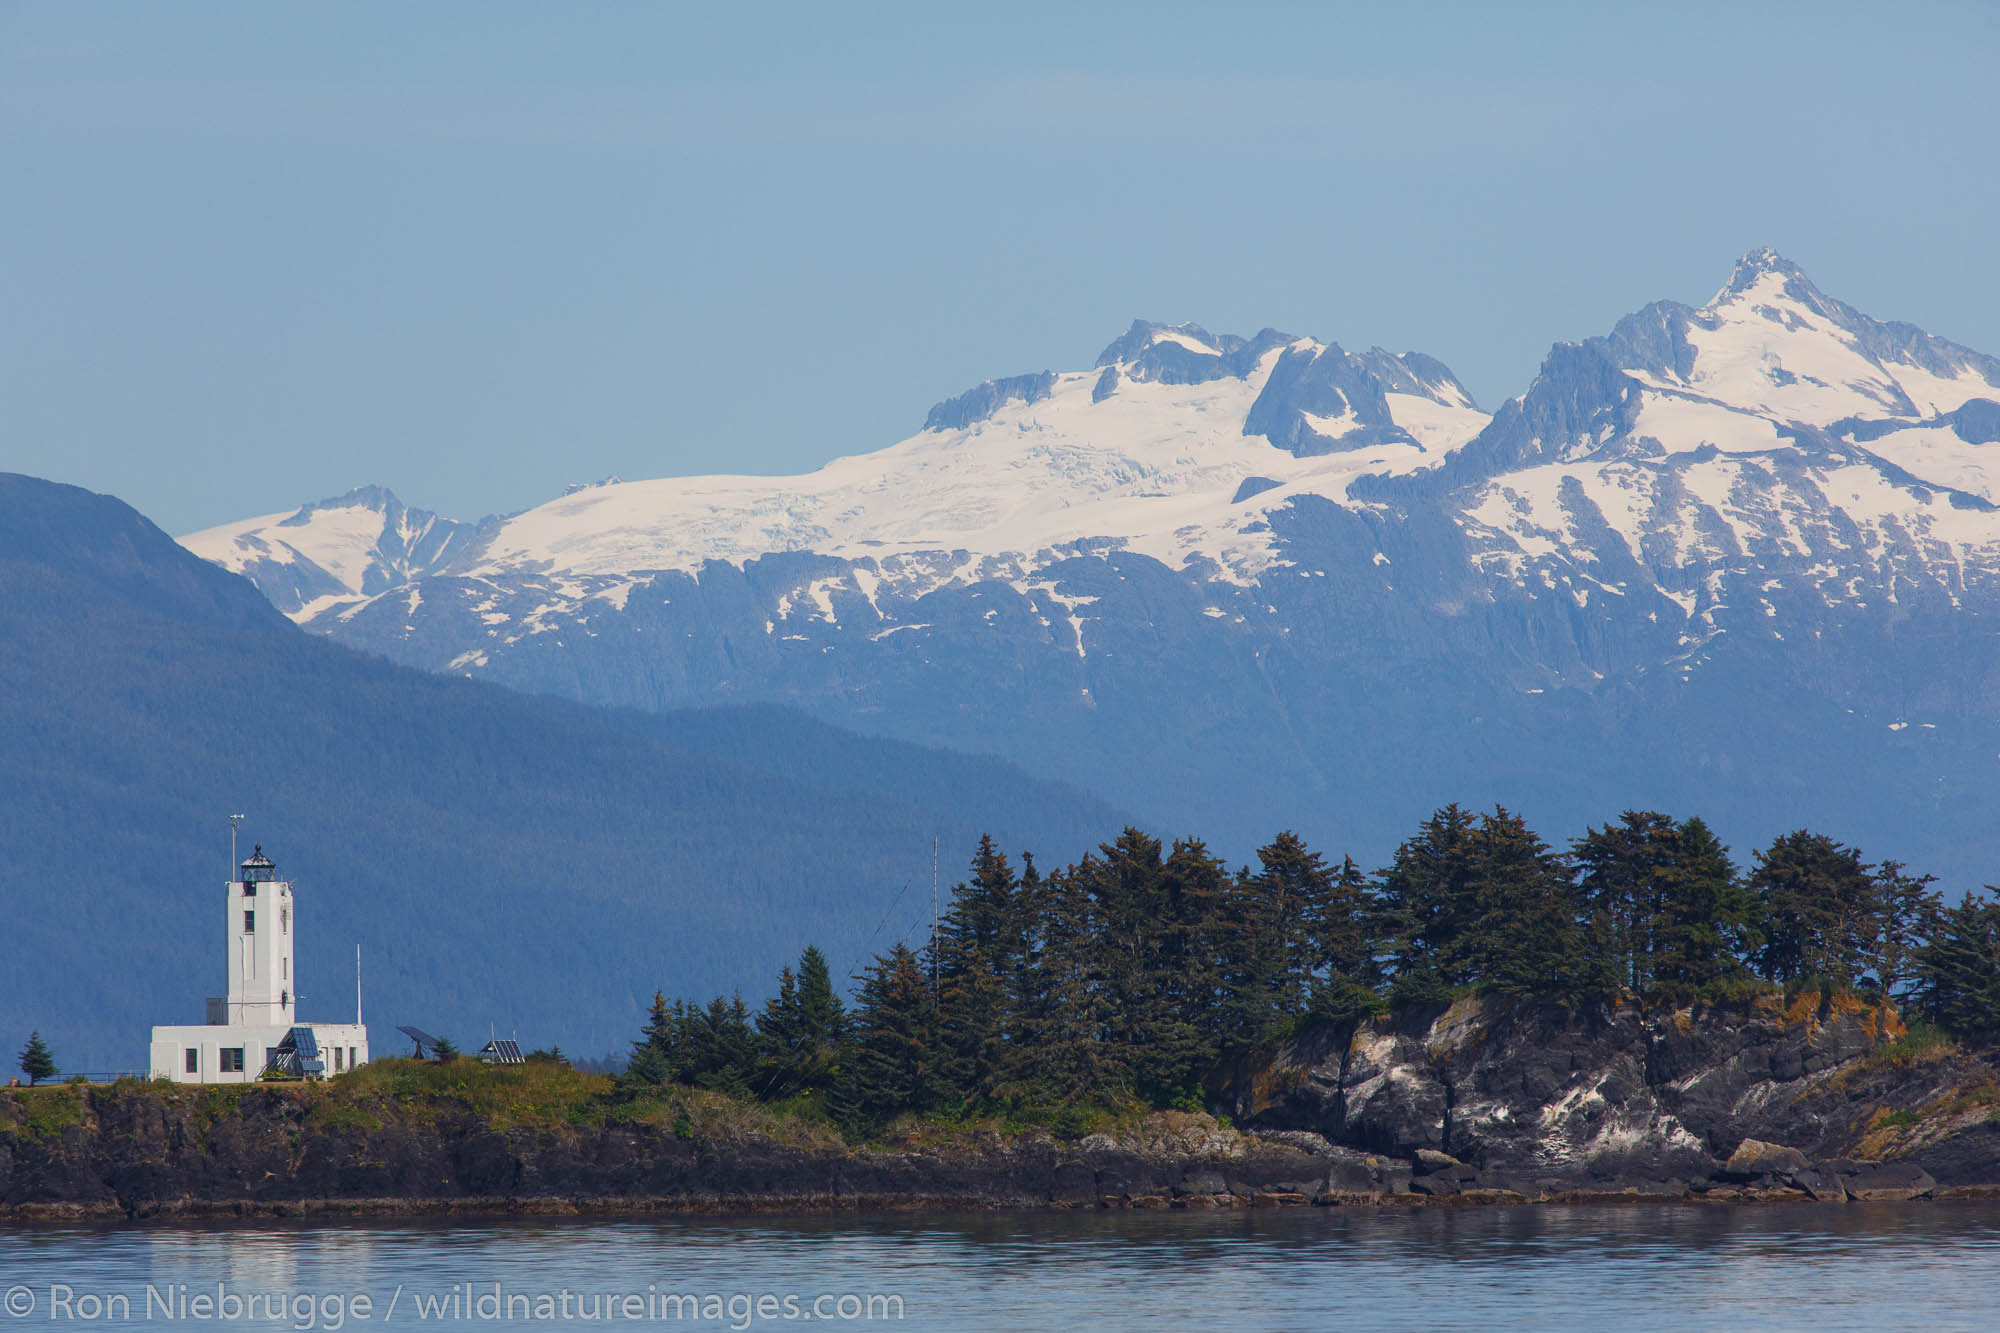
column 1724, row 558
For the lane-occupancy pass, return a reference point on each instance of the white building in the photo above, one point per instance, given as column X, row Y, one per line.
column 253, row 1028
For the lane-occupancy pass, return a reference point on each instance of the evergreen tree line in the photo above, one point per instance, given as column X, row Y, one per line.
column 1150, row 971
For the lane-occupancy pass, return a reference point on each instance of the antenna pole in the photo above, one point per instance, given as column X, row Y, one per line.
column 357, row 985
column 234, row 822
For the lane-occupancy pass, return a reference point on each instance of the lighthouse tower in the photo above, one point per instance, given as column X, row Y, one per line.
column 254, row 1030
column 258, row 924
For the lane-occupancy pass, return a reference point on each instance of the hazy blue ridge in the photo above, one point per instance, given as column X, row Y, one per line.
column 523, row 862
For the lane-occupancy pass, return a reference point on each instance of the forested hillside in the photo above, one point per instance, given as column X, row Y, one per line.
column 503, row 860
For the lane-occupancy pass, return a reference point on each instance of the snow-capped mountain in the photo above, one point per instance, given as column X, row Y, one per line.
column 1210, row 574
column 1164, row 449
column 1774, row 443
column 334, row 551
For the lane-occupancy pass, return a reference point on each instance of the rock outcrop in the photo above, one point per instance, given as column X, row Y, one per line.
column 1819, row 1096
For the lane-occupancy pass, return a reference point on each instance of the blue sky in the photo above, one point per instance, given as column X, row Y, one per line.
column 258, row 254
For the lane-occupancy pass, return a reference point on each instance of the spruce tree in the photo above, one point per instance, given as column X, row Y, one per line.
column 778, row 1025
column 979, row 945
column 1523, row 939
column 1423, row 902
column 1155, row 950
column 788, row 1051
column 739, row 1048
column 1958, row 970
column 651, row 1062
column 1343, row 948
column 1663, row 908
column 1123, row 888
column 1063, row 1056
column 1624, row 869
column 1024, row 983
column 1709, row 919
column 1908, row 907
column 723, row 1042
column 1259, row 988
column 897, row 1046
column 1293, row 928
column 1183, row 980
column 1817, row 910
column 1295, row 938
column 799, row 1034
column 822, row 1017
column 37, row 1062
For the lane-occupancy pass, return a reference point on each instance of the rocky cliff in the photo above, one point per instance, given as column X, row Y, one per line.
column 1820, row 1098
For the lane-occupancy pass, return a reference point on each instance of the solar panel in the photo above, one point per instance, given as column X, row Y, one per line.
column 305, row 1050
column 420, row 1037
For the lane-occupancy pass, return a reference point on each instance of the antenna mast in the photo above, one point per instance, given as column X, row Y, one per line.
column 357, row 985
column 235, row 821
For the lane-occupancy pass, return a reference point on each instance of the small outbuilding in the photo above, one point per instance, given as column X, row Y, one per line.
column 500, row 1051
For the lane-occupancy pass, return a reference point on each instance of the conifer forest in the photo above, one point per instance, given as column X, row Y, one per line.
column 1148, row 973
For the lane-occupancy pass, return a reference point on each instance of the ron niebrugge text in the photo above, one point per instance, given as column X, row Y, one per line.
column 226, row 1303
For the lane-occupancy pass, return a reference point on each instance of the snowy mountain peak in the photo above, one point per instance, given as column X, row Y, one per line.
column 1775, row 431
column 1144, row 334
column 371, row 496
column 1757, row 265
column 1181, row 354
column 329, row 551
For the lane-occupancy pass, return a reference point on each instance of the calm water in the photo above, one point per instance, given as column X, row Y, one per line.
column 1933, row 1266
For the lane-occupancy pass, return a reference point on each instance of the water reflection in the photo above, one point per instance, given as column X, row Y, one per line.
column 1854, row 1266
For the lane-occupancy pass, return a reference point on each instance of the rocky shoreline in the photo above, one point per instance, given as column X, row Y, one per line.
column 1815, row 1099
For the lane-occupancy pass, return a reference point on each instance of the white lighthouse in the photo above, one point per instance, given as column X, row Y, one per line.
column 254, row 1029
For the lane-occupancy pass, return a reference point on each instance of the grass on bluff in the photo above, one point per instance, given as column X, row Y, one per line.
column 537, row 1096
column 530, row 1096
column 42, row 1113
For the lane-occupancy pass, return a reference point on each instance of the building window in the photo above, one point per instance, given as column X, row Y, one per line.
column 249, row 922
column 249, row 889
column 232, row 1059
column 284, row 969
column 193, row 1060
column 336, row 1059
column 284, row 920
column 351, row 1062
